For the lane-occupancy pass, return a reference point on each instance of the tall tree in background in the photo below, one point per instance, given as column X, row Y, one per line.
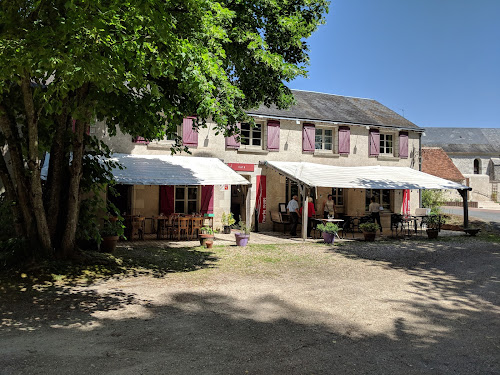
column 138, row 64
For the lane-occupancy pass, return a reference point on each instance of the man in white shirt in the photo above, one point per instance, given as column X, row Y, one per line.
column 293, row 209
column 374, row 209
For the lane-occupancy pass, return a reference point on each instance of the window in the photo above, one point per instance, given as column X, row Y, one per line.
column 477, row 166
column 172, row 135
column 251, row 136
column 338, row 196
column 386, row 144
column 382, row 196
column 186, row 199
column 292, row 188
column 323, row 139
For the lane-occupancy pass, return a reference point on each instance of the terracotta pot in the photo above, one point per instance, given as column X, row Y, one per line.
column 432, row 233
column 369, row 236
column 205, row 237
column 328, row 237
column 108, row 244
column 209, row 244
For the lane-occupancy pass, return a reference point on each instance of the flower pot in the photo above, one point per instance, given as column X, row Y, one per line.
column 108, row 244
column 227, row 229
column 369, row 236
column 209, row 244
column 432, row 233
column 328, row 237
column 241, row 239
column 205, row 237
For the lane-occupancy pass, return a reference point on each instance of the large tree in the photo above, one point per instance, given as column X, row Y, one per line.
column 138, row 65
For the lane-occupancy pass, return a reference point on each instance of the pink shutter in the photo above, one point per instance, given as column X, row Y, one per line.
column 140, row 140
column 232, row 142
column 273, row 135
column 167, row 200
column 189, row 134
column 344, row 140
column 207, row 199
column 374, row 143
column 308, row 134
column 403, row 145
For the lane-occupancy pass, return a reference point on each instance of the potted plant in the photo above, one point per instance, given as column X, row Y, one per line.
column 369, row 230
column 243, row 235
column 433, row 223
column 206, row 234
column 227, row 220
column 329, row 231
column 112, row 230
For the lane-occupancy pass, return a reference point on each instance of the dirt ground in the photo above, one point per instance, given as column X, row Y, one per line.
column 390, row 307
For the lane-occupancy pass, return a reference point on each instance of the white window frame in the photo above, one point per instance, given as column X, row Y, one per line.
column 254, row 134
column 379, row 193
column 383, row 141
column 186, row 198
column 336, row 194
column 323, row 129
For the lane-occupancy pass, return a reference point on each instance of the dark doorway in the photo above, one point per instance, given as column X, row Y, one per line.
column 122, row 199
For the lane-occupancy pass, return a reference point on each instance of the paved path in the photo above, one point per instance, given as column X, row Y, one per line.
column 480, row 213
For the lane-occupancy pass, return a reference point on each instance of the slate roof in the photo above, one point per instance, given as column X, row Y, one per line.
column 464, row 140
column 436, row 162
column 314, row 106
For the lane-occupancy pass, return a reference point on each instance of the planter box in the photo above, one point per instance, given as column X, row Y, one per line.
column 369, row 236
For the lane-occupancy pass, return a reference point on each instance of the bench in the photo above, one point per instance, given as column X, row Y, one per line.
column 277, row 219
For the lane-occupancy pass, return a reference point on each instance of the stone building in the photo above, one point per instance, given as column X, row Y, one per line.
column 320, row 129
column 474, row 151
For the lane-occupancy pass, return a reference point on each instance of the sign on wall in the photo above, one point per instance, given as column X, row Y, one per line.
column 241, row 167
column 261, row 201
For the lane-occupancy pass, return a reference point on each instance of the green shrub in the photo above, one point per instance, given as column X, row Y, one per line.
column 369, row 227
column 433, row 199
column 328, row 228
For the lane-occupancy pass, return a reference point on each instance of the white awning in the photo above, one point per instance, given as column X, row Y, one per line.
column 373, row 177
column 170, row 170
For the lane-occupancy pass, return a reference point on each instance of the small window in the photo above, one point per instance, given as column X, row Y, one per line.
column 338, row 196
column 251, row 136
column 477, row 166
column 323, row 139
column 386, row 144
column 382, row 197
column 186, row 199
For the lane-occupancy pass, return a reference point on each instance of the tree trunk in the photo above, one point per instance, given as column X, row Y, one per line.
column 34, row 168
column 10, row 193
column 18, row 172
column 55, row 178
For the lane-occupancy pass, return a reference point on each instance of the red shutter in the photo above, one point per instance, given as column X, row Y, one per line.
column 207, row 199
column 308, row 134
column 344, row 140
column 374, row 143
column 140, row 140
column 167, row 200
column 232, row 142
column 189, row 134
column 403, row 145
column 273, row 135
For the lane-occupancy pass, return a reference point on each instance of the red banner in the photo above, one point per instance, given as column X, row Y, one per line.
column 406, row 202
column 261, row 198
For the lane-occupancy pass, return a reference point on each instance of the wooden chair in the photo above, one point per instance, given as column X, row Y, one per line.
column 196, row 225
column 183, row 227
column 277, row 219
column 138, row 227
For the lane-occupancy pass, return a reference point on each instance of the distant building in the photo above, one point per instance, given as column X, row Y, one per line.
column 476, row 154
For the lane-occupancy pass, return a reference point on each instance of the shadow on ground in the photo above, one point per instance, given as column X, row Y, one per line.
column 449, row 324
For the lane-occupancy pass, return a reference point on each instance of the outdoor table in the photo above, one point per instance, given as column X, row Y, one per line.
column 161, row 222
column 407, row 222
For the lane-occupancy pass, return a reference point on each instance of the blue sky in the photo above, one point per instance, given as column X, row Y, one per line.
column 436, row 60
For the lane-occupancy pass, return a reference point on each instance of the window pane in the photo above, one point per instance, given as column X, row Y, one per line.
column 328, row 133
column 192, row 193
column 340, row 201
column 179, row 193
column 256, row 142
column 318, row 138
column 386, row 198
column 191, row 207
column 328, row 146
column 179, row 207
column 318, row 145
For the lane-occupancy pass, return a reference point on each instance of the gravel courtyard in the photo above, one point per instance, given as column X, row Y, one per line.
column 390, row 307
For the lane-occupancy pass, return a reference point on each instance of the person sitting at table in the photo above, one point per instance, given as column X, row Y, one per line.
column 374, row 209
column 310, row 212
column 328, row 207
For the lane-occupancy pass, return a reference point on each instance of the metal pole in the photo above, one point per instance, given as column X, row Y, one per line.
column 304, row 214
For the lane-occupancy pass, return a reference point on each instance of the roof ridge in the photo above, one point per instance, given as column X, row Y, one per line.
column 327, row 93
